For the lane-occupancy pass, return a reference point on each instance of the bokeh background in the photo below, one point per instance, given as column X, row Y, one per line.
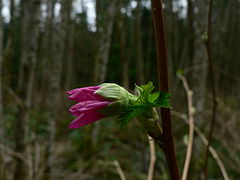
column 50, row 46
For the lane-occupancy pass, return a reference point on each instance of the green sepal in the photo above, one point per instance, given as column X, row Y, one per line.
column 113, row 109
column 130, row 113
column 114, row 92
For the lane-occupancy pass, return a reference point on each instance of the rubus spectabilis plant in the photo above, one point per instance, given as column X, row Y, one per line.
column 111, row 100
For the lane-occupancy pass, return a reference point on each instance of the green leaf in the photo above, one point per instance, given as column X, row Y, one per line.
column 163, row 100
column 130, row 113
column 148, row 88
column 145, row 101
column 153, row 97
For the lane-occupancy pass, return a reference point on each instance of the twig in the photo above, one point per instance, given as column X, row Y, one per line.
column 15, row 154
column 205, row 141
column 191, row 126
column 15, row 96
column 213, row 88
column 119, row 170
column 214, row 154
column 152, row 158
column 26, row 159
column 161, row 47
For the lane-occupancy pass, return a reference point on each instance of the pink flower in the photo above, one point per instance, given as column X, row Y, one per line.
column 87, row 109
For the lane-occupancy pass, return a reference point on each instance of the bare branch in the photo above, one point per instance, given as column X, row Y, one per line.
column 15, row 154
column 15, row 96
column 191, row 126
column 119, row 170
column 205, row 141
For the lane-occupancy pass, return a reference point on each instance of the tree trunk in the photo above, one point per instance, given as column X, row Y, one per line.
column 59, row 51
column 198, row 78
column 149, row 50
column 47, row 65
column 30, row 19
column 10, row 36
column 47, row 45
column 98, row 17
column 123, row 50
column 170, row 28
column 101, row 61
column 1, row 102
column 102, row 56
column 68, row 42
column 138, row 33
column 190, row 31
column 9, row 49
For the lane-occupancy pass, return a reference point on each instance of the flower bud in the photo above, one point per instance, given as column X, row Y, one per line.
column 150, row 123
column 114, row 92
column 119, row 96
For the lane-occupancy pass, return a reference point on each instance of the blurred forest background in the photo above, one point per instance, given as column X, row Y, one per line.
column 50, row 46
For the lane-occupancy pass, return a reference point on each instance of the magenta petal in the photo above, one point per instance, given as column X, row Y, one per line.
column 85, row 119
column 84, row 94
column 85, row 106
column 95, row 88
column 88, row 106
